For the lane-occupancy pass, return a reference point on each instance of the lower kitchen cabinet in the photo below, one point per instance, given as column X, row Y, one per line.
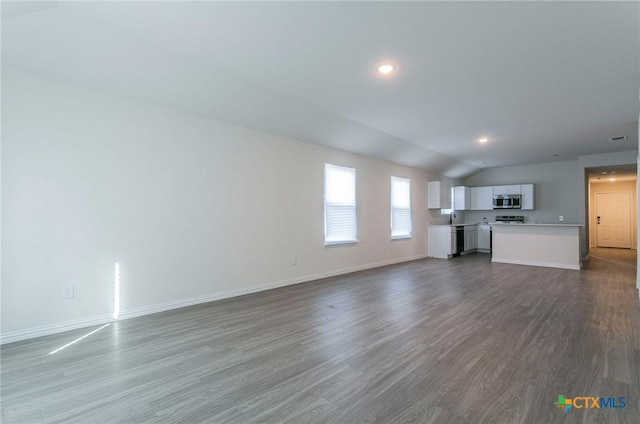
column 484, row 238
column 470, row 238
column 441, row 242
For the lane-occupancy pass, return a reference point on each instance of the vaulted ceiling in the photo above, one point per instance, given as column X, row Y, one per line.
column 544, row 81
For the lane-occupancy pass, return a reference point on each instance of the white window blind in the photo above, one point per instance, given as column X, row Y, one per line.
column 400, row 207
column 340, row 224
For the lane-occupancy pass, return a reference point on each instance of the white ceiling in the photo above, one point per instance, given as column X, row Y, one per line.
column 539, row 78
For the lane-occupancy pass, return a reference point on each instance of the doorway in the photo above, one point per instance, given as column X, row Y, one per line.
column 613, row 219
column 612, row 207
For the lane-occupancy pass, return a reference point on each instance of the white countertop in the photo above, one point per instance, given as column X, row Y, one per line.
column 536, row 224
column 452, row 225
column 507, row 224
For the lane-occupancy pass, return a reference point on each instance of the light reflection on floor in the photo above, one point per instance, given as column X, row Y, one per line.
column 78, row 339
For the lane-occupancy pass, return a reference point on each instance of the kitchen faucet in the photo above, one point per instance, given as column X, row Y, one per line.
column 451, row 216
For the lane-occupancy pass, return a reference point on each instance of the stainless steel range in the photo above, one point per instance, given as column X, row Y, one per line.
column 510, row 219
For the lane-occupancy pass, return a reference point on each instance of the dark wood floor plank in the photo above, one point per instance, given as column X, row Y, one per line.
column 429, row 341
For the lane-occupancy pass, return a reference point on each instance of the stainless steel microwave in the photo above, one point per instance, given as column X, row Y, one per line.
column 507, row 201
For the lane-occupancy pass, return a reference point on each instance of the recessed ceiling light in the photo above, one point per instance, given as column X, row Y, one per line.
column 483, row 140
column 612, row 172
column 386, row 68
column 612, row 179
column 604, row 172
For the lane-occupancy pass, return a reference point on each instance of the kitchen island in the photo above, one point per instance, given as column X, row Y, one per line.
column 549, row 245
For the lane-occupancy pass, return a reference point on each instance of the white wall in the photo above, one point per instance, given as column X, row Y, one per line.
column 193, row 209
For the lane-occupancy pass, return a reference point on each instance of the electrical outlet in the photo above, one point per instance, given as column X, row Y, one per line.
column 67, row 291
column 561, row 218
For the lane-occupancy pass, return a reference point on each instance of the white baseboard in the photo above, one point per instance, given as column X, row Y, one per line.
column 530, row 263
column 14, row 336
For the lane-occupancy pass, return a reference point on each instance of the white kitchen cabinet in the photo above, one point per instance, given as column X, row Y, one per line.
column 476, row 198
column 487, row 198
column 484, row 238
column 528, row 197
column 461, row 198
column 500, row 189
column 514, row 189
column 438, row 195
column 481, row 198
column 441, row 241
column 470, row 238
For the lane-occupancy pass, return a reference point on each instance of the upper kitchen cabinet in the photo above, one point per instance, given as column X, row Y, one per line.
column 487, row 198
column 438, row 195
column 461, row 198
column 514, row 189
column 528, row 196
column 502, row 189
column 481, row 198
column 476, row 198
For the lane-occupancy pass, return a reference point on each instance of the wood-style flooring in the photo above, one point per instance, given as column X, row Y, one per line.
column 429, row 341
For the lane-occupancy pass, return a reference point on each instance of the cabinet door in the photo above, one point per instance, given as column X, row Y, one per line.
column 473, row 238
column 514, row 189
column 433, row 195
column 476, row 198
column 461, row 198
column 487, row 198
column 438, row 195
column 470, row 238
column 500, row 189
column 439, row 241
column 445, row 196
column 483, row 239
column 528, row 197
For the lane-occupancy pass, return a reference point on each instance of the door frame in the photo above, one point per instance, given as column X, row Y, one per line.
column 630, row 223
column 593, row 187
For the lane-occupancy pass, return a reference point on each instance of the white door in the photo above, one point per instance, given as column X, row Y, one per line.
column 613, row 219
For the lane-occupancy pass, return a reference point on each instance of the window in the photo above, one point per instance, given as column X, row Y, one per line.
column 400, row 208
column 339, row 205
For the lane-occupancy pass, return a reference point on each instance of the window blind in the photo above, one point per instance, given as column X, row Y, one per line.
column 400, row 207
column 340, row 224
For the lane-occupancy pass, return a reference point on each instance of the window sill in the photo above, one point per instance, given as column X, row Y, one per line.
column 340, row 242
column 401, row 237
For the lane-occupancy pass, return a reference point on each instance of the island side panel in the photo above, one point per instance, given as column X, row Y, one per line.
column 556, row 246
